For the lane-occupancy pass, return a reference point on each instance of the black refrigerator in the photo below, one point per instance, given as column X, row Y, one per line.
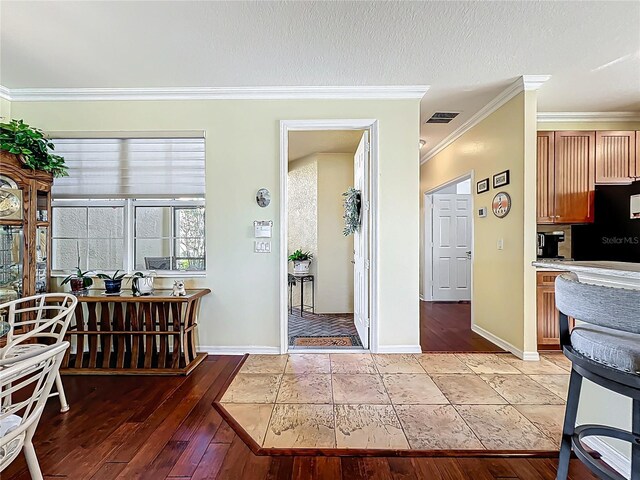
column 613, row 236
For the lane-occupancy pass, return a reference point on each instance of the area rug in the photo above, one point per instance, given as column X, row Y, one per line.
column 327, row 341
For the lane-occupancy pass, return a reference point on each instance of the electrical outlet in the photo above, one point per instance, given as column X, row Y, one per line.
column 500, row 244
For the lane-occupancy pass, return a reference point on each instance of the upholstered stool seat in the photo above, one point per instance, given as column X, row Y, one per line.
column 613, row 348
column 604, row 347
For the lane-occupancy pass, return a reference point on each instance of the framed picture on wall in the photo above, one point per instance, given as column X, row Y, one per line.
column 501, row 179
column 482, row 186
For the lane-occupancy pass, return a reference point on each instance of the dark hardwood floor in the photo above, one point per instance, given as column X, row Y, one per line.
column 165, row 427
column 446, row 327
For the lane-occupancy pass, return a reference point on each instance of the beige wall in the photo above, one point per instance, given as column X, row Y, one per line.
column 500, row 304
column 5, row 110
column 316, row 184
column 335, row 251
column 242, row 145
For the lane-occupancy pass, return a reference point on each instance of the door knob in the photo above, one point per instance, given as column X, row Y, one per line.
column 468, row 252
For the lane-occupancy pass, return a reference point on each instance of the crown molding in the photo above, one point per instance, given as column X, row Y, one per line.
column 534, row 82
column 4, row 93
column 525, row 82
column 391, row 92
column 557, row 117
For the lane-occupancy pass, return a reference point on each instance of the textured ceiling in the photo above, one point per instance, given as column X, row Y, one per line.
column 305, row 143
column 467, row 51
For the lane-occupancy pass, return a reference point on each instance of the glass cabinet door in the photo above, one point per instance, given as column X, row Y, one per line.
column 11, row 262
column 42, row 253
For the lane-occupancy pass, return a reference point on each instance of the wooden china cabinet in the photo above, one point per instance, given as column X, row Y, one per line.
column 25, row 229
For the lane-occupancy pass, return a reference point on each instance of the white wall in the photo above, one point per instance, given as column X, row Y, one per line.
column 242, row 145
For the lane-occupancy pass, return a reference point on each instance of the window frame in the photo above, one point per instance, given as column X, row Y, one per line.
column 130, row 205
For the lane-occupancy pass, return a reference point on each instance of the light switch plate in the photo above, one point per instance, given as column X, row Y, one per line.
column 262, row 246
column 500, row 244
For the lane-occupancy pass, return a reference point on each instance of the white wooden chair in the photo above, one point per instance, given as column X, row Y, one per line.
column 40, row 317
column 33, row 373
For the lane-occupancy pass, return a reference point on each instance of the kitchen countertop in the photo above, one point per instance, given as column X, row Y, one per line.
column 625, row 274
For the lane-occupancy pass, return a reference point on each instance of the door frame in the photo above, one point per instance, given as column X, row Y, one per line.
column 371, row 125
column 427, row 266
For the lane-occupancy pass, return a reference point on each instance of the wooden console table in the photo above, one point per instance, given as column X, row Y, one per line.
column 147, row 335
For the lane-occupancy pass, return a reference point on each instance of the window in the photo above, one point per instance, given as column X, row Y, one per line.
column 130, row 204
column 166, row 235
column 169, row 237
column 90, row 236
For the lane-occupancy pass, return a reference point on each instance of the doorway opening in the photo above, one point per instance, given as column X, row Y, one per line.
column 327, row 273
column 446, row 322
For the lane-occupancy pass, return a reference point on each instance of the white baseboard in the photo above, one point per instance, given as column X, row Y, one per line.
column 399, row 349
column 218, row 350
column 610, row 455
column 528, row 356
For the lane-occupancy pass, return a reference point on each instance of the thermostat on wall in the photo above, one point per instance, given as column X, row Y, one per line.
column 263, row 228
column 482, row 212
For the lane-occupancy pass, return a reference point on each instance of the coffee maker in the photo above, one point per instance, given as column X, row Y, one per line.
column 548, row 244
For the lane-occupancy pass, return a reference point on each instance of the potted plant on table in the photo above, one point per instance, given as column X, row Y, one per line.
column 142, row 283
column 79, row 281
column 112, row 283
column 301, row 262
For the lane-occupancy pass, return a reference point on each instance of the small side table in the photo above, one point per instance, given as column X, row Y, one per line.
column 302, row 279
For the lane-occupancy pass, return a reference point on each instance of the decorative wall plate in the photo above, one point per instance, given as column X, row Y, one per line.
column 263, row 197
column 501, row 204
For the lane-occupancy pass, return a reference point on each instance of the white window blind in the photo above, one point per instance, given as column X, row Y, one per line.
column 131, row 168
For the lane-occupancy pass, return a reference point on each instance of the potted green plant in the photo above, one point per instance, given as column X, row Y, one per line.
column 301, row 262
column 112, row 283
column 32, row 148
column 79, row 280
column 142, row 283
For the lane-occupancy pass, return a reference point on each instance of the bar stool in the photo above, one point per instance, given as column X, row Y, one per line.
column 605, row 350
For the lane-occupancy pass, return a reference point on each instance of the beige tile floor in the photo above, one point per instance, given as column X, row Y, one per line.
column 425, row 402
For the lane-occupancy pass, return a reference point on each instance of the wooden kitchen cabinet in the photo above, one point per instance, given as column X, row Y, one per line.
column 574, row 177
column 546, row 169
column 566, row 177
column 547, row 313
column 616, row 157
column 637, row 154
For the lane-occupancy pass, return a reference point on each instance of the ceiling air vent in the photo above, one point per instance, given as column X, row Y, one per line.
column 443, row 117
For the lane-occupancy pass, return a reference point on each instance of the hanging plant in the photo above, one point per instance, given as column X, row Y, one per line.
column 352, row 209
column 32, row 147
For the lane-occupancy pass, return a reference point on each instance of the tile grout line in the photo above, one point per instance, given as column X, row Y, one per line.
column 393, row 405
column 333, row 403
column 477, row 437
column 545, row 387
column 469, row 426
column 506, row 400
column 274, row 403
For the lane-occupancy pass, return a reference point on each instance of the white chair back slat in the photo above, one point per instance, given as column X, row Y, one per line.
column 53, row 312
column 35, row 374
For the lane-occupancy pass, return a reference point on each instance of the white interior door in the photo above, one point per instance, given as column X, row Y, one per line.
column 451, row 240
column 361, row 244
